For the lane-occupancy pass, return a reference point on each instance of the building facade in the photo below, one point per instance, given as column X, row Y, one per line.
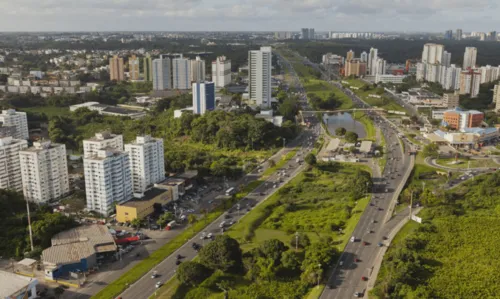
column 107, row 180
column 197, row 70
column 458, row 119
column 259, row 76
column 161, row 74
column 470, row 56
column 496, row 97
column 350, row 55
column 181, row 73
column 203, row 97
column 44, row 171
column 16, row 119
column 147, row 65
column 432, row 53
column 221, row 71
column 451, row 100
column 355, row 68
column 147, row 164
column 372, row 57
column 10, row 165
column 116, row 71
column 101, row 140
column 133, row 67
column 470, row 82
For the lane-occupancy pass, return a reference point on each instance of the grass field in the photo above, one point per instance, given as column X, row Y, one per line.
column 367, row 123
column 466, row 163
column 48, row 110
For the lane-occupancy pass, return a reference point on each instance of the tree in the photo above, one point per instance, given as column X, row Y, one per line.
column 290, row 260
column 164, row 219
column 302, row 242
column 223, row 253
column 406, row 122
column 310, row 159
column 431, row 150
column 340, row 131
column 351, row 137
column 192, row 273
column 136, row 223
column 192, row 220
column 271, row 163
column 273, row 249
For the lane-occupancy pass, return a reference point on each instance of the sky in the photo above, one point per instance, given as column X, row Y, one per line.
column 249, row 15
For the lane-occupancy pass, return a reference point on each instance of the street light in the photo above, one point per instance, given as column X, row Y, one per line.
column 319, row 268
column 296, row 241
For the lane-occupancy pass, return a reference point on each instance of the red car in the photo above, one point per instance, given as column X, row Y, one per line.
column 363, row 278
column 365, row 243
column 356, row 260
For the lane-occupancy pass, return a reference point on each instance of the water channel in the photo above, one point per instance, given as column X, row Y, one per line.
column 345, row 120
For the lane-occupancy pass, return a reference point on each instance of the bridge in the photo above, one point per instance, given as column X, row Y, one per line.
column 302, row 112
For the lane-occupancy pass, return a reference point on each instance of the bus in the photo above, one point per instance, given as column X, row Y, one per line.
column 230, row 191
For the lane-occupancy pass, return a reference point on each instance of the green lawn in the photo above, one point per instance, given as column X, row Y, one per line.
column 48, row 110
column 465, row 163
column 367, row 123
column 280, row 163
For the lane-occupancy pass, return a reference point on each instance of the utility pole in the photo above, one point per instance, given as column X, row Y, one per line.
column 29, row 223
column 411, row 202
column 296, row 241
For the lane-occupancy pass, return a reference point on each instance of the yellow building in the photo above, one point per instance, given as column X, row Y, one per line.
column 140, row 208
column 116, row 68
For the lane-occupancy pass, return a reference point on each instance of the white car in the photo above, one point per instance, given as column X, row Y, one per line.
column 210, row 235
column 353, row 239
column 158, row 284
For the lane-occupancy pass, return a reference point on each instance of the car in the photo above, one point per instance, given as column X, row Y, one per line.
column 158, row 284
column 210, row 236
column 380, row 244
column 384, row 238
column 374, row 221
column 203, row 236
column 369, row 231
column 353, row 239
column 356, row 260
column 371, row 204
column 154, row 275
column 179, row 257
column 358, row 294
column 227, row 216
column 365, row 243
column 178, row 262
column 364, row 278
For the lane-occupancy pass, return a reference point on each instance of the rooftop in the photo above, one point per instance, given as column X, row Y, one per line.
column 188, row 174
column 96, row 234
column 11, row 283
column 148, row 195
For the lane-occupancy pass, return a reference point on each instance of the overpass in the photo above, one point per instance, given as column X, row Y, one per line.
column 302, row 112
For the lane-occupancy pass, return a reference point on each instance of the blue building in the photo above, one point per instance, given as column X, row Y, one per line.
column 203, row 97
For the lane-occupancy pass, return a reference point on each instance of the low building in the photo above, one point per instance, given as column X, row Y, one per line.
column 268, row 116
column 460, row 119
column 173, row 185
column 142, row 207
column 178, row 113
column 382, row 78
column 468, row 136
column 189, row 177
column 366, row 147
column 77, row 249
column 438, row 114
column 14, row 286
column 109, row 110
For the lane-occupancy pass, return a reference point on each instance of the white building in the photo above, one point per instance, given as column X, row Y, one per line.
column 162, row 75
column 379, row 67
column 10, row 165
column 433, row 53
column 259, row 76
column 203, row 97
column 102, row 140
column 181, row 73
column 470, row 56
column 197, row 70
column 19, row 120
column 389, row 79
column 329, row 59
column 221, row 71
column 107, row 180
column 496, row 97
column 446, row 59
column 147, row 165
column 372, row 57
column 44, row 171
column 452, row 78
column 431, row 72
column 364, row 57
column 420, row 76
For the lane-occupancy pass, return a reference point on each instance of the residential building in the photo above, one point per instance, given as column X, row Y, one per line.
column 147, row 65
column 197, row 70
column 15, row 286
column 448, row 34
column 203, row 97
column 181, row 73
column 147, row 164
column 452, row 79
column 364, row 56
column 446, row 59
column 305, row 33
column 44, row 171
column 332, row 59
column 496, row 97
column 312, row 35
column 107, row 180
column 143, row 207
column 372, row 57
column 459, row 119
column 432, row 53
column 116, row 68
column 133, row 67
column 101, row 140
column 459, row 34
column 10, row 165
column 259, row 76
column 470, row 56
column 221, row 71
column 432, row 72
column 282, row 35
column 162, row 75
column 421, row 69
column 16, row 119
column 470, row 82
column 355, row 68
column 379, row 67
column 451, row 100
column 350, row 55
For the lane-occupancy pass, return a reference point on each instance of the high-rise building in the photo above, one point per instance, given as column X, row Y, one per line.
column 364, row 57
column 147, row 65
column 486, row 72
column 421, row 70
column 197, row 70
column 433, row 54
column 355, row 67
column 446, row 59
column 350, row 55
column 147, row 165
column 493, row 36
column 281, row 35
column 496, row 97
column 181, row 73
column 107, row 180
column 10, row 165
column 372, row 57
column 470, row 82
column 101, row 140
column 16, row 119
column 379, row 67
column 133, row 67
column 452, row 80
column 221, row 71
column 459, row 34
column 162, row 74
column 451, row 100
column 44, row 171
column 311, row 33
column 116, row 68
column 304, row 33
column 432, row 72
column 470, row 56
column 448, row 34
column 203, row 97
column 259, row 76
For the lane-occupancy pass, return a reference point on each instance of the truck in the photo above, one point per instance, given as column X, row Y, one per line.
column 170, row 225
column 230, row 191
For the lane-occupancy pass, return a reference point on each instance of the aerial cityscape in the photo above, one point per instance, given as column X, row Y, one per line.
column 145, row 158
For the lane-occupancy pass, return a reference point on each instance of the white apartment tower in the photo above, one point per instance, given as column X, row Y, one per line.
column 107, row 180
column 101, row 140
column 162, row 75
column 221, row 71
column 147, row 164
column 10, row 165
column 198, row 70
column 44, row 171
column 452, row 80
column 372, row 57
column 496, row 97
column 19, row 120
column 181, row 73
column 470, row 56
column 446, row 59
column 259, row 76
column 364, row 57
column 433, row 54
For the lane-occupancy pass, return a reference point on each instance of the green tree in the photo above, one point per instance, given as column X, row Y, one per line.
column 164, row 219
column 431, row 150
column 271, row 163
column 273, row 249
column 351, row 137
column 192, row 273
column 192, row 220
column 340, row 131
column 310, row 159
column 302, row 242
column 223, row 253
column 136, row 223
column 290, row 260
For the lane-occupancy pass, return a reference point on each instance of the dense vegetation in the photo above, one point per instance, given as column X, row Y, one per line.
column 14, row 237
column 454, row 252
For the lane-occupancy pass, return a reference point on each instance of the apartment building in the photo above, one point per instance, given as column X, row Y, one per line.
column 221, row 71
column 197, row 70
column 147, row 164
column 10, row 166
column 107, row 180
column 470, row 57
column 496, row 97
column 101, row 140
column 355, row 68
column 470, row 82
column 203, row 97
column 44, row 171
column 162, row 74
column 116, row 68
column 451, row 100
column 133, row 67
column 16, row 119
column 259, row 76
column 181, row 73
column 147, row 68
